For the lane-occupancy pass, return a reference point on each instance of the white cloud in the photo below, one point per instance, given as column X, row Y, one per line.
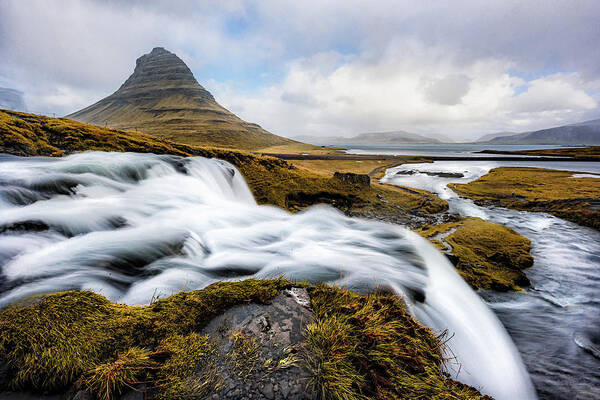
column 556, row 93
column 421, row 91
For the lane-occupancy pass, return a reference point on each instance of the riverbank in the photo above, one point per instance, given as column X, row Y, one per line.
column 487, row 255
column 590, row 153
column 569, row 195
column 353, row 346
column 553, row 322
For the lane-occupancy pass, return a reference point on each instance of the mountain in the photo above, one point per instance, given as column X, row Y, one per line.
column 374, row 138
column 587, row 132
column 162, row 98
column 490, row 136
column 11, row 99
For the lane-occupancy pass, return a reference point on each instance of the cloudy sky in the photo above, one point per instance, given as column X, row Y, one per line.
column 461, row 68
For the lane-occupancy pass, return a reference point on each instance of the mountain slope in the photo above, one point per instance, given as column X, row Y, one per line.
column 390, row 138
column 162, row 98
column 491, row 136
column 587, row 132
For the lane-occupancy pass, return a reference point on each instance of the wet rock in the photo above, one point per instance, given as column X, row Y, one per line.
column 440, row 174
column 257, row 347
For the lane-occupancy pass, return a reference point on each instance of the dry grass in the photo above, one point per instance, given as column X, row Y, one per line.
column 488, row 255
column 243, row 355
column 537, row 189
column 298, row 148
column 48, row 345
column 369, row 347
column 328, row 167
column 110, row 379
column 591, row 152
column 190, row 371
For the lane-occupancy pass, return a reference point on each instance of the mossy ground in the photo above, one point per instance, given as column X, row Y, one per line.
column 486, row 255
column 272, row 181
column 48, row 345
column 358, row 347
column 538, row 189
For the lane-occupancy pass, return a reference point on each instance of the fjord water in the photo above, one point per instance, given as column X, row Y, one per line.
column 555, row 323
column 444, row 149
column 136, row 226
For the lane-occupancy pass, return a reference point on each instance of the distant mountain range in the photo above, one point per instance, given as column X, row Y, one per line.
column 583, row 133
column 11, row 99
column 162, row 98
column 375, row 138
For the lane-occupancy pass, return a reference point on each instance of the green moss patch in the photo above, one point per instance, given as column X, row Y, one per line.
column 486, row 255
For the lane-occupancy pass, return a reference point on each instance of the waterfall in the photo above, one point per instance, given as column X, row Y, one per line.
column 135, row 226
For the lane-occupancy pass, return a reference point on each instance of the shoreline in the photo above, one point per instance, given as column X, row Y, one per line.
column 368, row 157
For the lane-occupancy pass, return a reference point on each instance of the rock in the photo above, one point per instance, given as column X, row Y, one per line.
column 299, row 295
column 352, row 178
column 133, row 395
column 441, row 174
column 267, row 391
column 275, row 332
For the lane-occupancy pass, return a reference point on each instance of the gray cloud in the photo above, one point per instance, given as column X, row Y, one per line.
column 448, row 90
column 341, row 66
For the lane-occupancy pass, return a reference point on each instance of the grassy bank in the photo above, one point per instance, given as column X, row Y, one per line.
column 271, row 180
column 537, row 189
column 486, row 255
column 357, row 347
column 590, row 152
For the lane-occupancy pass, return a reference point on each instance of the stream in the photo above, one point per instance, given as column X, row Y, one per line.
column 555, row 323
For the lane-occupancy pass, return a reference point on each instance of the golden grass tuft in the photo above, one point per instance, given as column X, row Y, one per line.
column 109, row 380
column 189, row 372
column 243, row 355
column 369, row 347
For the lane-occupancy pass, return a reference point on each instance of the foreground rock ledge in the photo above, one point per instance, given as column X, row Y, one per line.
column 258, row 339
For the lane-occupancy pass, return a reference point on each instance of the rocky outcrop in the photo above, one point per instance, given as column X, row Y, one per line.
column 162, row 98
column 352, row 178
column 258, row 347
column 250, row 339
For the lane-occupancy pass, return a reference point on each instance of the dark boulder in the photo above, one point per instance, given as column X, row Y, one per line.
column 352, row 178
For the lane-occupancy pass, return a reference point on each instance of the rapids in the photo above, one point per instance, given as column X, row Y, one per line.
column 555, row 322
column 136, row 226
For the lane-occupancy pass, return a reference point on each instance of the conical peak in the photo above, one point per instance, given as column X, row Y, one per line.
column 160, row 68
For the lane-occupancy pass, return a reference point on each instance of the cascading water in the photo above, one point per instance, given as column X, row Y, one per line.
column 555, row 322
column 134, row 226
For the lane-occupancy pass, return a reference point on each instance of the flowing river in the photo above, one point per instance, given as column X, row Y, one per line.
column 136, row 226
column 556, row 323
